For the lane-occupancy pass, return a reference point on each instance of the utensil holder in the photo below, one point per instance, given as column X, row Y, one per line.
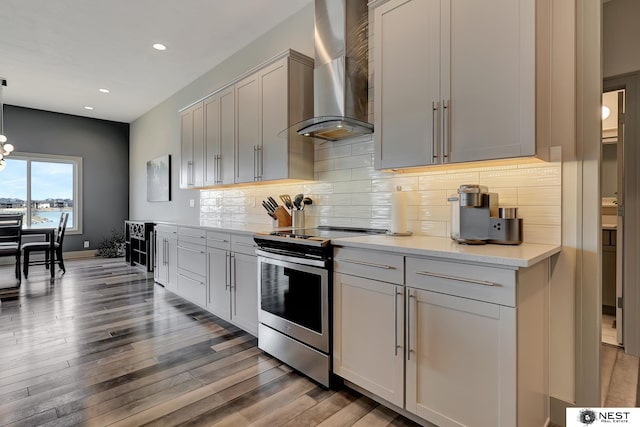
column 297, row 218
column 283, row 217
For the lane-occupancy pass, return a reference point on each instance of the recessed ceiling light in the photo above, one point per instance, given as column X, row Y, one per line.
column 88, row 107
column 159, row 46
column 103, row 90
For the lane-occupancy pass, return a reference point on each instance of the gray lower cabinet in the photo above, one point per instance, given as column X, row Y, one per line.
column 166, row 256
column 213, row 269
column 453, row 343
column 232, row 279
column 192, row 274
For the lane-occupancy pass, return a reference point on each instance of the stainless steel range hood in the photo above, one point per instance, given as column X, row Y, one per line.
column 340, row 76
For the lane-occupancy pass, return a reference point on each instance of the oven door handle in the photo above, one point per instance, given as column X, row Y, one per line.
column 286, row 258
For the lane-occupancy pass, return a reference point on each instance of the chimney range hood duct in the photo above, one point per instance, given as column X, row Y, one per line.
column 340, row 75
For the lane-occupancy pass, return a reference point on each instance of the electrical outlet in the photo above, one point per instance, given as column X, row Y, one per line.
column 192, row 203
column 86, row 244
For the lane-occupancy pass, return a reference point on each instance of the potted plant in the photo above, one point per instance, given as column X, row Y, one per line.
column 112, row 246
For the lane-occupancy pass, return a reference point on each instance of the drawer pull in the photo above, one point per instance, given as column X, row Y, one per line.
column 217, row 240
column 460, row 279
column 189, row 278
column 249, row 245
column 368, row 264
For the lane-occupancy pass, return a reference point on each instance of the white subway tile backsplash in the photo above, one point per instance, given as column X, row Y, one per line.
column 332, row 152
column 352, row 211
column 540, row 196
column 434, row 213
column 362, row 186
column 323, row 165
column 409, row 183
column 334, row 175
column 373, row 199
column 360, row 161
column 447, row 181
column 348, row 191
column 546, row 215
column 531, row 177
column 369, row 173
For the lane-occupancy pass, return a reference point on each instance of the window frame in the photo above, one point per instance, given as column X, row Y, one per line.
column 76, row 163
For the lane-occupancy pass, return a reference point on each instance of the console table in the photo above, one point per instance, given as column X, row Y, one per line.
column 139, row 244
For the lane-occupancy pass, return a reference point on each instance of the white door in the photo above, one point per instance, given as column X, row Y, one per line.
column 488, row 79
column 368, row 341
column 219, row 283
column 244, row 282
column 247, row 128
column 461, row 360
column 274, row 155
column 406, row 82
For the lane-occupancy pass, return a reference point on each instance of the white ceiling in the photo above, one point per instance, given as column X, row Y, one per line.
column 56, row 54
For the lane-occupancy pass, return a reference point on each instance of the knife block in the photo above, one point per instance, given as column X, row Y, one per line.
column 283, row 217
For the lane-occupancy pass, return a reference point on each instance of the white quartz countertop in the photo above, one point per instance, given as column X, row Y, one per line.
column 524, row 255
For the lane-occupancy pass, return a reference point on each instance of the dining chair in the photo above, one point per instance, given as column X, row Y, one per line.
column 10, row 238
column 29, row 247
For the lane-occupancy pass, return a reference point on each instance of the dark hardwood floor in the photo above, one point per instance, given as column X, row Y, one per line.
column 103, row 345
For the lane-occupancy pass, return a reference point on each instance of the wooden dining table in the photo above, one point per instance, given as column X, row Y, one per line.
column 50, row 236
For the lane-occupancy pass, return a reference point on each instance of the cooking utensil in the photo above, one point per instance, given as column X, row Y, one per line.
column 273, row 202
column 270, row 210
column 297, row 201
column 306, row 201
column 286, row 199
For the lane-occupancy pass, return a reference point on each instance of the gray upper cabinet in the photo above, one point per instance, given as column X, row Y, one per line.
column 248, row 119
column 465, row 92
column 243, row 124
column 219, row 131
column 192, row 146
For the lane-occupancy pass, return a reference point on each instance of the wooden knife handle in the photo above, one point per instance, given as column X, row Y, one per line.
column 283, row 217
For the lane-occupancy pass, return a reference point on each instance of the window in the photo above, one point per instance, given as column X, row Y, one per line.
column 41, row 186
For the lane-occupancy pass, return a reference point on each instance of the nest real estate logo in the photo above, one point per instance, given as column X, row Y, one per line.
column 580, row 417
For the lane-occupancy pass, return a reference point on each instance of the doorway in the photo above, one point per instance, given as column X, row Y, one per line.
column 612, row 198
column 621, row 144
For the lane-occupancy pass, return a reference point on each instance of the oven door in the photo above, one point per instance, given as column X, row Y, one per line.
column 294, row 300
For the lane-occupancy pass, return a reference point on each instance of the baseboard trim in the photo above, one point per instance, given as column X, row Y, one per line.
column 558, row 409
column 91, row 253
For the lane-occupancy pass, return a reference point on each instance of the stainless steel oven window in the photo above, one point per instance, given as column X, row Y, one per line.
column 294, row 299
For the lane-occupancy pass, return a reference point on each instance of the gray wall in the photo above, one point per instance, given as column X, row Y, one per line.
column 104, row 148
column 158, row 132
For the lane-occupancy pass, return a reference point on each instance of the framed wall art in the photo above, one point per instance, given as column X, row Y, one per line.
column 159, row 179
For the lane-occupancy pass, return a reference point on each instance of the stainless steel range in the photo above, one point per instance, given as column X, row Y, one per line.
column 295, row 269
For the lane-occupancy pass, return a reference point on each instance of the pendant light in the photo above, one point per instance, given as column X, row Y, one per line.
column 5, row 147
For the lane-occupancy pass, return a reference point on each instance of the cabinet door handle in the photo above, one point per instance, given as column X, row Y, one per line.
column 165, row 248
column 249, row 245
column 396, row 292
column 255, row 162
column 213, row 239
column 259, row 162
column 409, row 348
column 446, row 129
column 190, row 179
column 459, row 279
column 435, row 121
column 227, row 282
column 368, row 264
column 232, row 283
